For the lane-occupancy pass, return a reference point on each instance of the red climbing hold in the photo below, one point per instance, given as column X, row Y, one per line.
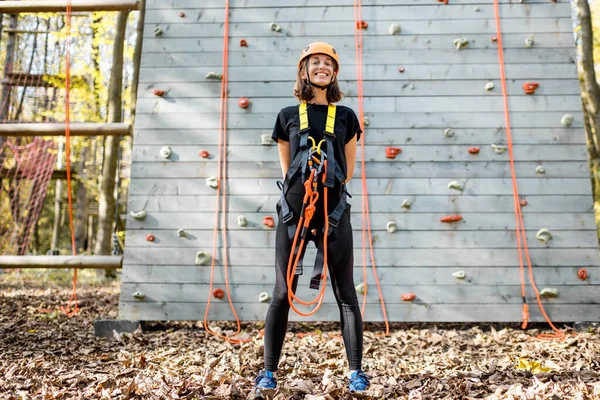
column 243, row 102
column 219, row 293
column 523, row 203
column 408, row 296
column 392, row 152
column 204, row 154
column 158, row 92
column 150, row 238
column 582, row 274
column 268, row 222
column 530, row 87
column 243, row 43
column 443, row 1
column 401, row 69
column 494, row 39
column 362, row 25
column 451, row 218
column 474, row 150
column 182, row 14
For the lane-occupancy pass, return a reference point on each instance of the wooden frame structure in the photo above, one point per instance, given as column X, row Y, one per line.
column 95, row 262
column 58, row 129
column 15, row 7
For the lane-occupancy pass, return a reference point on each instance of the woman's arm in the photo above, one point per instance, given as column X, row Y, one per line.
column 284, row 156
column 350, row 151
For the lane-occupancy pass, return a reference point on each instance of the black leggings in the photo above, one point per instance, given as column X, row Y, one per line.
column 340, row 270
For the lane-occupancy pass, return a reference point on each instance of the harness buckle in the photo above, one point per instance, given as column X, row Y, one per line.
column 333, row 222
column 287, row 218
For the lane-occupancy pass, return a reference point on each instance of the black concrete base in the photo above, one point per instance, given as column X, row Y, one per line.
column 585, row 326
column 105, row 328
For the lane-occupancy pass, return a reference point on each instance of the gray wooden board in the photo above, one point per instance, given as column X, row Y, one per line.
column 382, row 203
column 165, row 227
column 458, row 26
column 177, row 92
column 407, row 40
column 417, row 104
column 404, row 186
column 549, row 119
column 410, row 153
column 388, row 276
column 427, row 294
column 384, row 257
column 375, row 14
column 388, row 137
column 158, row 311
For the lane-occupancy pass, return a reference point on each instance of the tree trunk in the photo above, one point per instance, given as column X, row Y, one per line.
column 81, row 201
column 106, row 209
column 137, row 56
column 57, row 205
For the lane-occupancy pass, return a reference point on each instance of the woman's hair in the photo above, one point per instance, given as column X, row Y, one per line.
column 303, row 91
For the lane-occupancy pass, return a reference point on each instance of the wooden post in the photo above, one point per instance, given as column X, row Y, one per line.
column 57, row 203
column 58, row 129
column 38, row 6
column 96, row 262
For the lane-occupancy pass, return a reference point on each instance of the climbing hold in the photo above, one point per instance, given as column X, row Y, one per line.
column 474, row 150
column 540, row 169
column 477, row 9
column 275, row 27
column 165, row 152
column 158, row 92
column 449, row 132
column 212, row 182
column 360, row 288
column 362, row 25
column 264, row 297
column 451, row 218
column 494, row 39
column 394, row 28
column 181, row 233
column 459, row 274
column 460, row 43
column 401, row 69
column 391, row 227
column 582, row 274
column 567, row 120
column 543, row 235
column 268, row 222
column 523, row 203
column 366, row 121
column 241, row 220
column 218, row 293
column 489, row 86
column 406, row 204
column 138, row 295
column 530, row 87
column 243, row 102
column 265, row 139
column 203, row 153
column 158, row 31
column 139, row 215
column 202, row 258
column 412, row 86
column 214, row 75
column 443, row 1
column 549, row 292
column 408, row 296
column 243, row 43
column 150, row 238
column 499, row 149
column 392, row 152
column 529, row 42
column 455, row 185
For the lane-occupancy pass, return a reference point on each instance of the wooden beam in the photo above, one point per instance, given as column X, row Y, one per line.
column 11, row 30
column 40, row 80
column 58, row 129
column 37, row 6
column 10, row 173
column 98, row 262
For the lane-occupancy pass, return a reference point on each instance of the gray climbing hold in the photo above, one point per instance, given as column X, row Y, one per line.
column 455, row 185
column 540, row 169
column 264, row 297
column 489, row 86
column 366, row 121
column 406, row 204
column 567, row 120
column 544, row 235
column 529, row 42
column 275, row 27
column 499, row 149
column 265, row 139
column 158, row 31
column 549, row 292
column 460, row 43
column 181, row 233
column 139, row 215
column 449, row 132
column 214, row 75
column 360, row 288
column 459, row 274
column 391, row 227
column 477, row 9
column 138, row 295
column 202, row 258
column 241, row 220
column 412, row 86
column 165, row 152
column 212, row 182
column 394, row 28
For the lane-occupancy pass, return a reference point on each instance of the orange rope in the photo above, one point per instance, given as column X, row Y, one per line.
column 366, row 221
column 558, row 334
column 73, row 297
column 222, row 179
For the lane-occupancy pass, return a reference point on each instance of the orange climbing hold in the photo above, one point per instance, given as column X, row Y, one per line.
column 182, row 14
column 392, row 152
column 582, row 274
column 530, row 87
column 401, row 69
column 408, row 296
column 494, row 39
column 158, row 92
column 219, row 293
column 443, row 1
column 523, row 203
column 243, row 102
column 362, row 25
column 204, row 154
column 268, row 222
column 243, row 43
column 474, row 150
column 150, row 238
column 451, row 218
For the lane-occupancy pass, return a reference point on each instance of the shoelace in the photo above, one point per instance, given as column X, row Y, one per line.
column 361, row 379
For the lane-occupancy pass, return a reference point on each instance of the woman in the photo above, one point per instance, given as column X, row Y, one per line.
column 317, row 87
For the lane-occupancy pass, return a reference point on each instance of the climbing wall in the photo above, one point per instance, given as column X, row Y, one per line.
column 428, row 92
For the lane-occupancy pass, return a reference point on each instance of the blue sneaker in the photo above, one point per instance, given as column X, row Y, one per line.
column 359, row 381
column 264, row 380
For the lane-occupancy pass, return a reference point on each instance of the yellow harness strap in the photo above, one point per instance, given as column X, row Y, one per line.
column 330, row 118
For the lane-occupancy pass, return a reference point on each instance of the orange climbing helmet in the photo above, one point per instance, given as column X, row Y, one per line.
column 320, row 48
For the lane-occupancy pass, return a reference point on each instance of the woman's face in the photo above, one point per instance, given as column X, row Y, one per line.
column 320, row 69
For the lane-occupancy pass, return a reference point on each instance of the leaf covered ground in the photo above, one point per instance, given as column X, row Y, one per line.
column 46, row 355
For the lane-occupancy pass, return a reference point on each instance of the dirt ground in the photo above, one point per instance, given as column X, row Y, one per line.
column 46, row 355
